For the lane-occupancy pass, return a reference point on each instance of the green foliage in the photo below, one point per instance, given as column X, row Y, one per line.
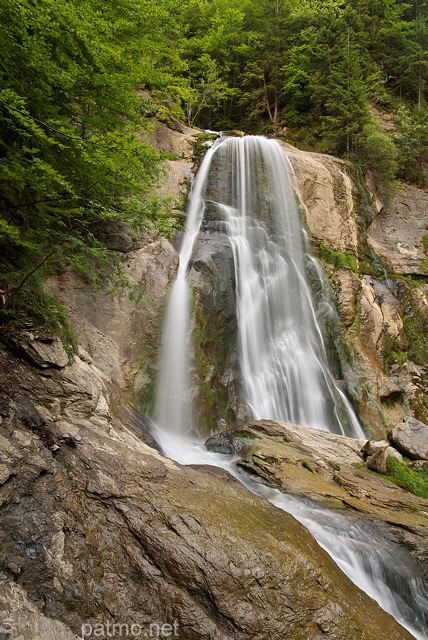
column 314, row 71
column 411, row 138
column 414, row 481
column 72, row 157
column 338, row 258
column 378, row 151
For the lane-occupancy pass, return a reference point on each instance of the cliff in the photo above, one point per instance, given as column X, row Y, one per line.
column 98, row 528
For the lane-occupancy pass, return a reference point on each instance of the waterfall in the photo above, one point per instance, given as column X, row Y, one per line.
column 173, row 412
column 283, row 362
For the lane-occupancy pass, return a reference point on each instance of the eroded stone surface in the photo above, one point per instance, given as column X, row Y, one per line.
column 396, row 233
column 411, row 438
column 326, row 194
column 110, row 531
column 327, row 468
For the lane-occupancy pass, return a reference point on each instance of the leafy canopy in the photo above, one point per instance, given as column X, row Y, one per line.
column 72, row 115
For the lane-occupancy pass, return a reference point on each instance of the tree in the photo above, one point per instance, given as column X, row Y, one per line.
column 71, row 153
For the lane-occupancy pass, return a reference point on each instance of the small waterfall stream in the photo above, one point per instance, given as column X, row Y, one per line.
column 283, row 361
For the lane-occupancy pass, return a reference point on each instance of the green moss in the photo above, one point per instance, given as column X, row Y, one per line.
column 46, row 313
column 307, row 466
column 415, row 482
column 394, row 357
column 338, row 258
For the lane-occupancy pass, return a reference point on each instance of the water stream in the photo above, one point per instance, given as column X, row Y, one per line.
column 283, row 361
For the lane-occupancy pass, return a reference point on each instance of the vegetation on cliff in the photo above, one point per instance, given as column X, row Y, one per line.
column 72, row 113
column 81, row 79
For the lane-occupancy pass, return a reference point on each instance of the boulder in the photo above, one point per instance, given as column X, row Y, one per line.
column 378, row 461
column 411, row 438
column 372, row 446
column 66, row 432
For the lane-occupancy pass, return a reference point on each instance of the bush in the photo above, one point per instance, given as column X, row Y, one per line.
column 379, row 153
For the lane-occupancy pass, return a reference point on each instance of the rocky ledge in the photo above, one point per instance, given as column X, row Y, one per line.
column 330, row 469
column 98, row 529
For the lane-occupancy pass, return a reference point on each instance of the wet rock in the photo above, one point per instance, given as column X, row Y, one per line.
column 230, row 442
column 328, row 468
column 212, row 278
column 378, row 461
column 411, row 438
column 116, row 533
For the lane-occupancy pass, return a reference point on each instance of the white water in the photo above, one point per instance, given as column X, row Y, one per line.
column 173, row 410
column 282, row 356
column 284, row 369
column 377, row 566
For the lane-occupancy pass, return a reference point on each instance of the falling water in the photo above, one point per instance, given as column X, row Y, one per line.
column 174, row 397
column 283, row 360
column 284, row 367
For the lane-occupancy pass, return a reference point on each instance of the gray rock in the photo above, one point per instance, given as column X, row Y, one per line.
column 43, row 353
column 378, row 461
column 119, row 241
column 411, row 438
column 66, row 432
column 372, row 446
column 396, row 233
column 230, row 442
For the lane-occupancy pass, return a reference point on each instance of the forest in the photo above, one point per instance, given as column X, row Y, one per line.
column 81, row 80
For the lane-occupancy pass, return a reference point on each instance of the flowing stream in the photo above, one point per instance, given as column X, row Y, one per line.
column 283, row 360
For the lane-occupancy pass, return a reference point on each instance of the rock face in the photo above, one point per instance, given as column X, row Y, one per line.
column 327, row 468
column 411, row 438
column 212, row 278
column 180, row 144
column 326, row 193
column 385, row 318
column 396, row 233
column 104, row 531
column 114, row 333
column 120, row 337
